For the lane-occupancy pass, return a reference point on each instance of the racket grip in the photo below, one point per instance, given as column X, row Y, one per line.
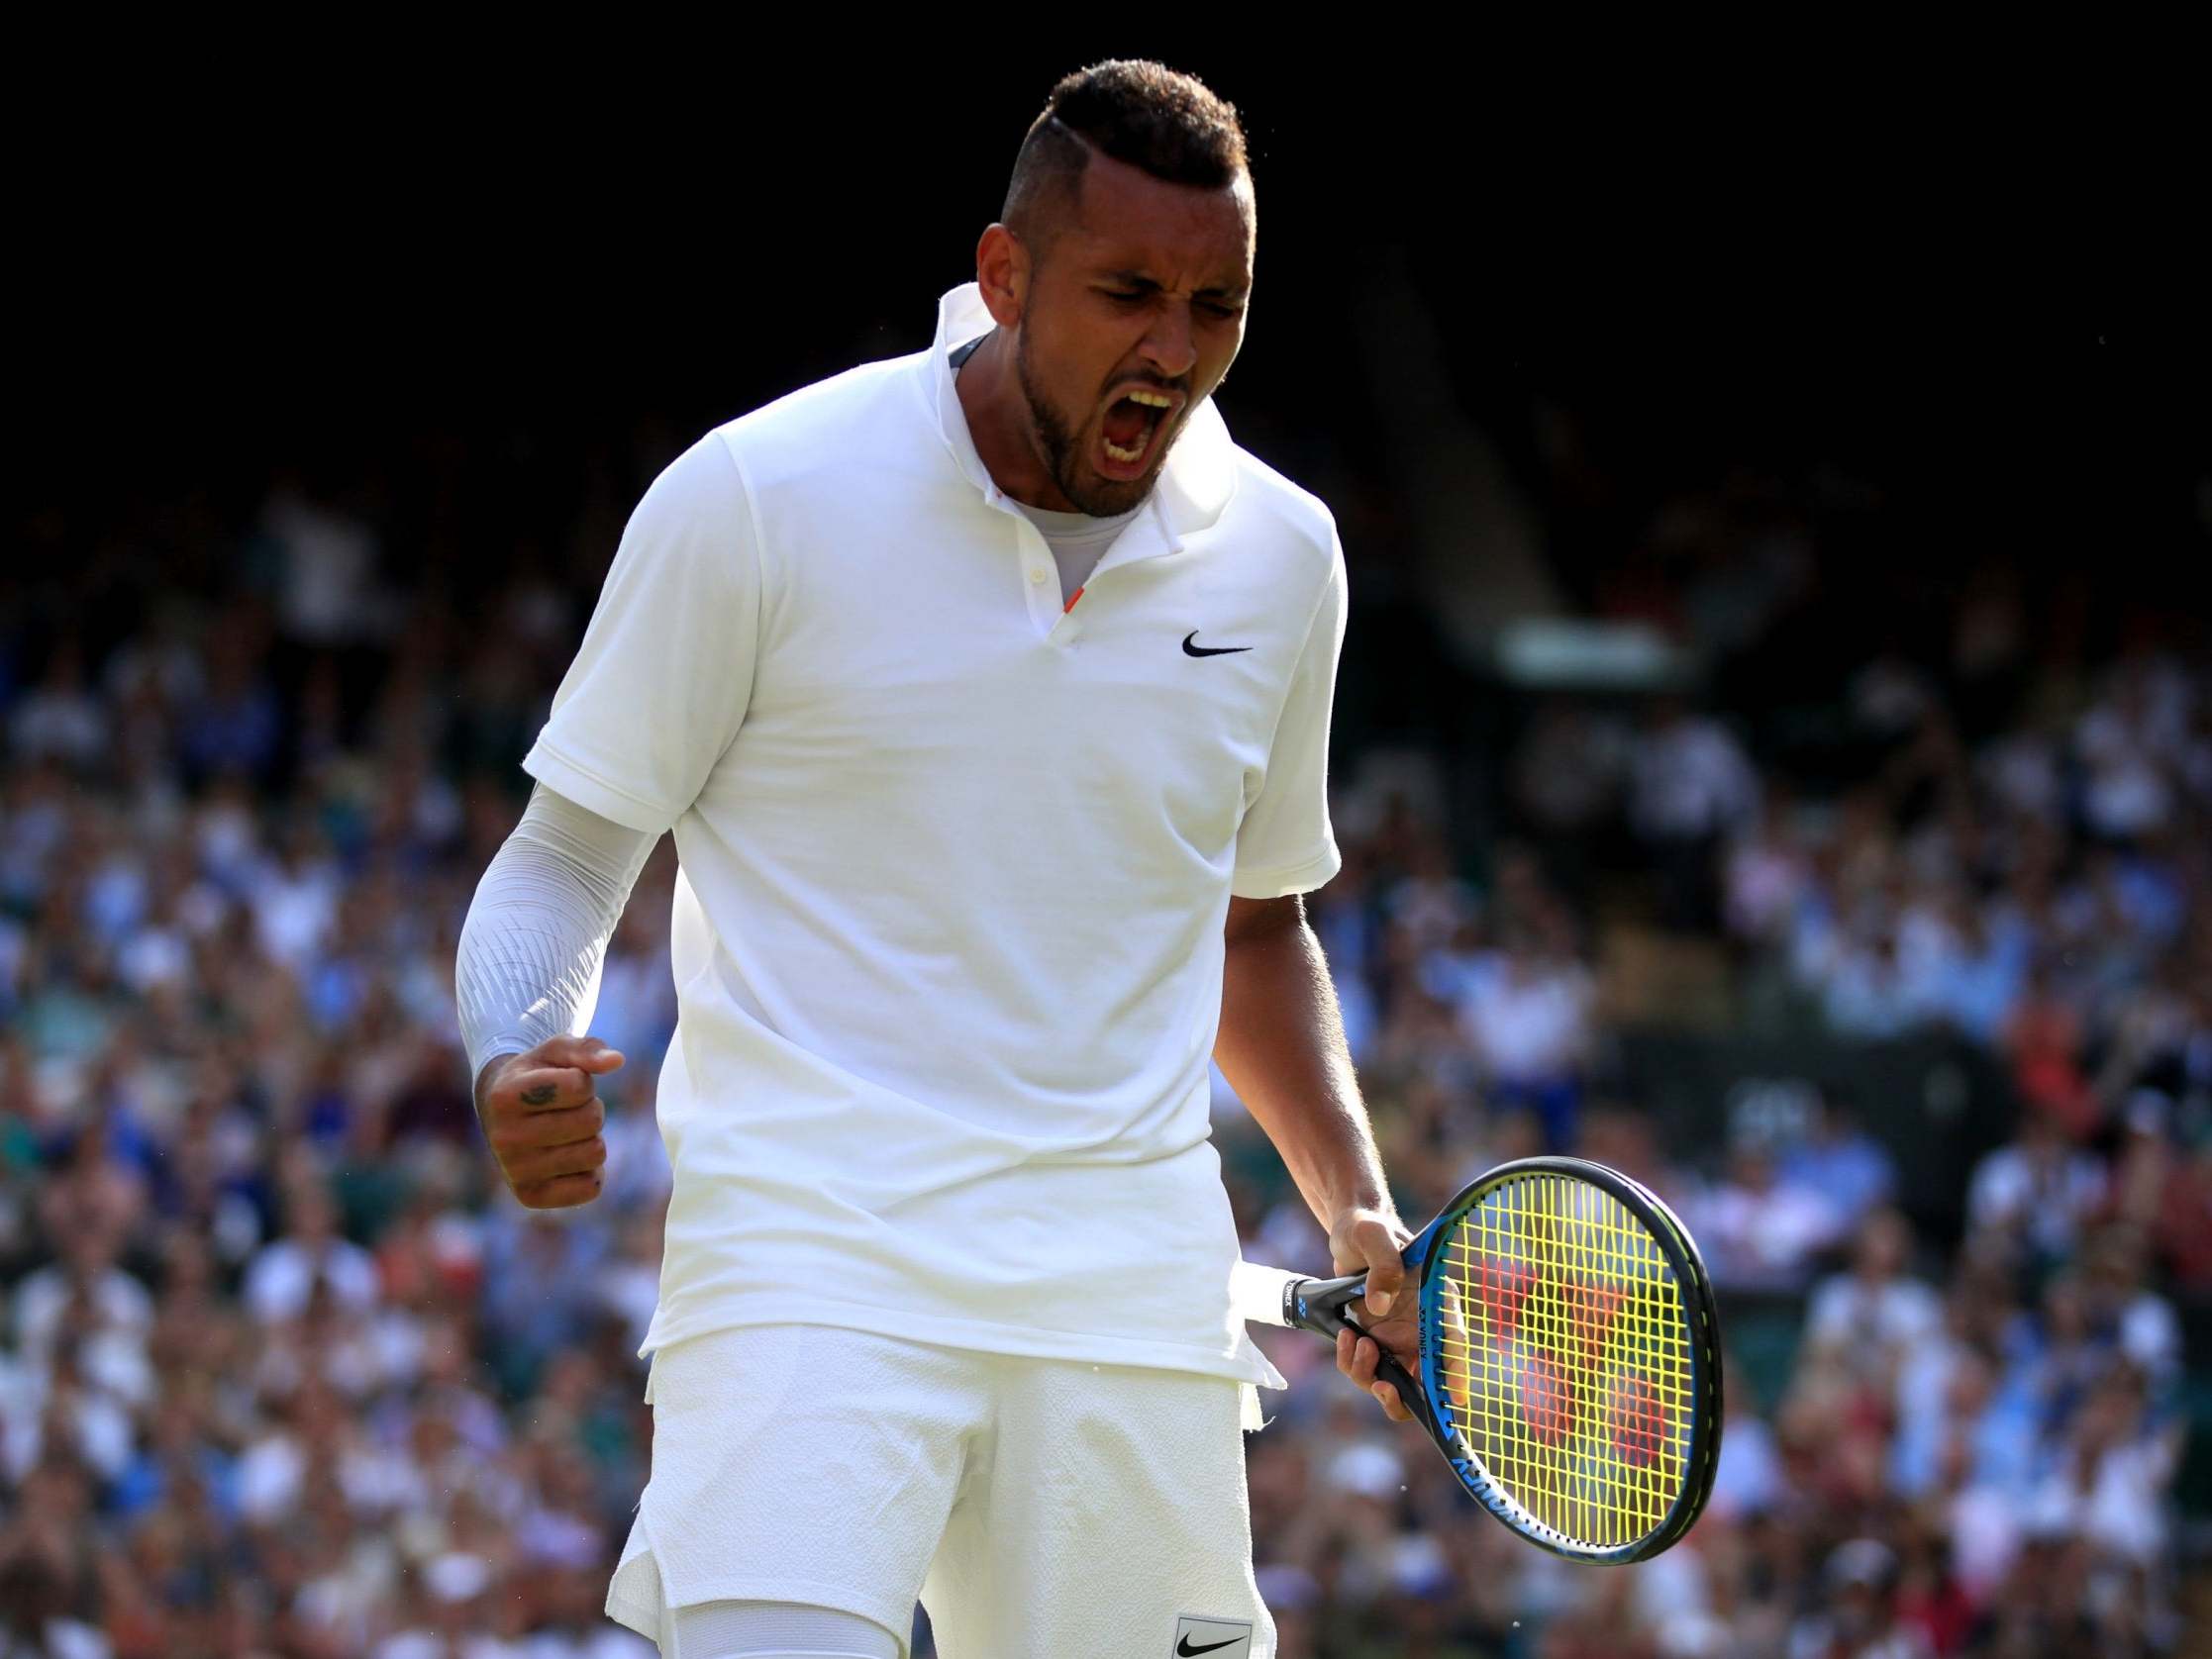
column 1388, row 1370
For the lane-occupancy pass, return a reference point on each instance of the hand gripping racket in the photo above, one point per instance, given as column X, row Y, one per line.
column 1569, row 1358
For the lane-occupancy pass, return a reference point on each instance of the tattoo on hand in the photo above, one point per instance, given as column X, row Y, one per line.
column 538, row 1096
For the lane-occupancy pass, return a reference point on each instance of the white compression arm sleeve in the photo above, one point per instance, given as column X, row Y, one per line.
column 536, row 938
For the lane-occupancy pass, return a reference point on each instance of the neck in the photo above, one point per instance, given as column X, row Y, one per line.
column 989, row 387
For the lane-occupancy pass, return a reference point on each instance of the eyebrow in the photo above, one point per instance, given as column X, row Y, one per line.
column 1136, row 279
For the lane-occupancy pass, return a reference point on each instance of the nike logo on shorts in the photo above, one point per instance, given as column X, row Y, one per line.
column 1225, row 1638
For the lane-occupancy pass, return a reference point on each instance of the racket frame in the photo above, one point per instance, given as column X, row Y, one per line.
column 1322, row 1305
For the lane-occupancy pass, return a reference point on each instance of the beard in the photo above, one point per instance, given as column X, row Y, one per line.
column 1062, row 451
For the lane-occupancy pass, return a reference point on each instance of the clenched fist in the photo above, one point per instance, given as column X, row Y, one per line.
column 541, row 1114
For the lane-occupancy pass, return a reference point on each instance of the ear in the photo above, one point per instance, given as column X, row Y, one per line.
column 1002, row 271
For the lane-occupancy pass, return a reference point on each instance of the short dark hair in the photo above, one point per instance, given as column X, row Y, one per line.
column 1146, row 115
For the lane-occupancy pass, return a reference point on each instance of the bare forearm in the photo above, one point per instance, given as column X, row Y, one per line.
column 1281, row 1046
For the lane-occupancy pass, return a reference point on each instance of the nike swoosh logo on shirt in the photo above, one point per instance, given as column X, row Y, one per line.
column 1183, row 1647
column 1190, row 649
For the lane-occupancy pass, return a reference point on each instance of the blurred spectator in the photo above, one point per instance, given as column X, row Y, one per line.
column 1766, row 874
column 1568, row 770
column 1873, row 1314
column 1760, row 1231
column 231, row 724
column 1976, row 979
column 326, row 573
column 61, row 719
column 2035, row 1192
column 1751, row 1480
column 1526, row 1016
column 1690, row 787
column 2108, row 1477
column 1858, row 1618
column 1839, row 1161
column 308, row 1258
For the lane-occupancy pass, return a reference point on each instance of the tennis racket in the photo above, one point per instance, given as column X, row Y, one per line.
column 1569, row 1358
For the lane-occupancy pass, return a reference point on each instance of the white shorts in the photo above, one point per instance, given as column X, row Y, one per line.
column 1033, row 1505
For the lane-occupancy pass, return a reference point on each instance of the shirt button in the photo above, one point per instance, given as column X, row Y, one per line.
column 1036, row 575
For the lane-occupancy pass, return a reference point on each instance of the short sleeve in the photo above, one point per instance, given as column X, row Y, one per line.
column 660, row 684
column 1286, row 844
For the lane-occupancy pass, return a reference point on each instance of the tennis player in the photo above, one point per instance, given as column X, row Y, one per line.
column 987, row 694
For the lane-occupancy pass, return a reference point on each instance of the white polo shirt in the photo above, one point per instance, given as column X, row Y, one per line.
column 954, row 864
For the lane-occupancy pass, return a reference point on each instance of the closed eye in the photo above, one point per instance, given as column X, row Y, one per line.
column 1227, row 311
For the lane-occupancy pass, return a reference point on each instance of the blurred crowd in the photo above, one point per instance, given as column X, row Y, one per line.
column 284, row 1371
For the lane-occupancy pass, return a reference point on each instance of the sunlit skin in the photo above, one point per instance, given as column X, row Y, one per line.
column 1137, row 283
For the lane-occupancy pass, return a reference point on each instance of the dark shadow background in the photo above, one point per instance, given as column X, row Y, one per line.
column 493, row 302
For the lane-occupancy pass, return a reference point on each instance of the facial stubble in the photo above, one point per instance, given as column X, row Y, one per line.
column 1061, row 456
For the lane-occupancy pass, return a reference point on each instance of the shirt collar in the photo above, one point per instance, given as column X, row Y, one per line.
column 1194, row 487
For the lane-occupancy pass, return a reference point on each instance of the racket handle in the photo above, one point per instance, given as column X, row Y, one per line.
column 1388, row 1370
column 1259, row 1294
column 1270, row 1296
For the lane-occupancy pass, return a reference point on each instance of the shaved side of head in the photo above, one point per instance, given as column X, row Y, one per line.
column 1166, row 124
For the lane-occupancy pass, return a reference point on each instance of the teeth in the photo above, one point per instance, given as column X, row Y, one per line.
column 1151, row 400
column 1120, row 454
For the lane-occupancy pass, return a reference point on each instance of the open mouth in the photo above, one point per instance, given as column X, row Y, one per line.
column 1130, row 434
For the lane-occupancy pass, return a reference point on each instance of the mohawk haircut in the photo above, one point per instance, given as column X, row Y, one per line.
column 1142, row 114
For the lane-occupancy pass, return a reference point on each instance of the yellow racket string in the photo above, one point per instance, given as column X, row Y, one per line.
column 1564, row 1347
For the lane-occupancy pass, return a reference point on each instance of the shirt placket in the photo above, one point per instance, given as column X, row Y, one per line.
column 1039, row 579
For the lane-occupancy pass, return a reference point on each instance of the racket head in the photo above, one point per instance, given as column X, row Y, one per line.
column 1569, row 1366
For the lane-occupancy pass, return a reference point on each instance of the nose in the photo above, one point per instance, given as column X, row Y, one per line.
column 1169, row 349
